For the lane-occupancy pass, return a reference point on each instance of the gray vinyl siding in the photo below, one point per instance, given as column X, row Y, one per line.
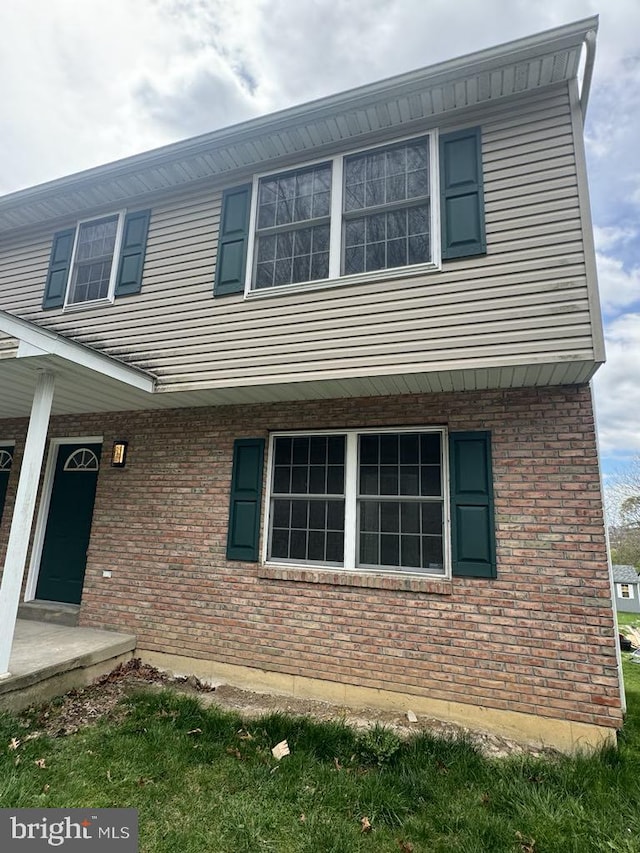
column 525, row 302
column 628, row 605
column 8, row 346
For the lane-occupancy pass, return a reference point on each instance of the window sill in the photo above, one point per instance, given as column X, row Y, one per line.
column 89, row 303
column 360, row 278
column 335, row 577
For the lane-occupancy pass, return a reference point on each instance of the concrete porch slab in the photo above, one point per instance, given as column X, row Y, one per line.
column 50, row 611
column 47, row 660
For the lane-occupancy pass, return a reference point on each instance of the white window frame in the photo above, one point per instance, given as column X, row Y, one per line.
column 351, row 502
column 629, row 587
column 110, row 297
column 92, row 463
column 335, row 278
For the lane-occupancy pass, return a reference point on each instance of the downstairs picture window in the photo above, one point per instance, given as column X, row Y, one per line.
column 360, row 499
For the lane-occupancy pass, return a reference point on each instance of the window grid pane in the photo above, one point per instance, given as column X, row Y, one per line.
column 308, row 530
column 408, row 465
column 295, row 252
column 399, row 501
column 309, row 465
column 292, row 256
column 294, row 197
column 307, row 504
column 395, row 178
column 383, row 177
column 386, row 240
column 94, row 260
column 405, row 533
column 396, row 534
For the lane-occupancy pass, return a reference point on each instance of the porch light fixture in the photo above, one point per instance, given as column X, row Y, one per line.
column 119, row 454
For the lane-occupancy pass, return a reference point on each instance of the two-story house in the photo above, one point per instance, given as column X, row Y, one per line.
column 304, row 403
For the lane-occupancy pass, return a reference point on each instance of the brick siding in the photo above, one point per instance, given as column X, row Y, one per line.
column 538, row 639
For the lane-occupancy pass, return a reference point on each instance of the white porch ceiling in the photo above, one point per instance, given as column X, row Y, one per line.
column 79, row 389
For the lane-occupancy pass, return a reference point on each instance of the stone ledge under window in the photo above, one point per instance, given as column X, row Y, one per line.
column 436, row 586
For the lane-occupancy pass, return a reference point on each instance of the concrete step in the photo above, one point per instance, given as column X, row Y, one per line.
column 49, row 660
column 54, row 612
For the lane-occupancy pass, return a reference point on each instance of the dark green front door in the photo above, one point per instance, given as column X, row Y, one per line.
column 66, row 539
column 6, row 458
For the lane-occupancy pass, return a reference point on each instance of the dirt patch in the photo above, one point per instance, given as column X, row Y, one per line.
column 103, row 699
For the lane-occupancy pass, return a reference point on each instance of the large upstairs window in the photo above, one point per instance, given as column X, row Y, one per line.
column 364, row 212
column 380, row 213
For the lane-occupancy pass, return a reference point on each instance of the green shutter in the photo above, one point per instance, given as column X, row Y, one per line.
column 473, row 548
column 232, row 241
column 246, row 494
column 134, row 244
column 61, row 251
column 461, row 194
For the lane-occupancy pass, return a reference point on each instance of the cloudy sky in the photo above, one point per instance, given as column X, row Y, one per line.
column 83, row 82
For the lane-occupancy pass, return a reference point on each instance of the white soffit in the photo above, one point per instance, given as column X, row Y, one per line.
column 79, row 390
column 514, row 68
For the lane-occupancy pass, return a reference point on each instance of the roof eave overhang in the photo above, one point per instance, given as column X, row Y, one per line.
column 49, row 348
column 424, row 95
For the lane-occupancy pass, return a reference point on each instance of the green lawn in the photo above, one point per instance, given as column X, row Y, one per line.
column 632, row 619
column 206, row 782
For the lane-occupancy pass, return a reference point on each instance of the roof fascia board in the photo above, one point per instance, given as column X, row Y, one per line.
column 33, row 341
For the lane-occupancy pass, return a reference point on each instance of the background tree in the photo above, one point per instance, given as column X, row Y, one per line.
column 630, row 512
column 622, row 499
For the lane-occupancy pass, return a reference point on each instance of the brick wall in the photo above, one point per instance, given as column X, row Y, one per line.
column 538, row 639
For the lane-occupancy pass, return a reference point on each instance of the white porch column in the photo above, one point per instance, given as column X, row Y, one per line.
column 23, row 512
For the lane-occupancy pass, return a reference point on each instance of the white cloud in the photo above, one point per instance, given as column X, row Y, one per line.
column 72, row 68
column 619, row 287
column 613, row 236
column 617, row 388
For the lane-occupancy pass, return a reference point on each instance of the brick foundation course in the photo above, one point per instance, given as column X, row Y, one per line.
column 539, row 639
